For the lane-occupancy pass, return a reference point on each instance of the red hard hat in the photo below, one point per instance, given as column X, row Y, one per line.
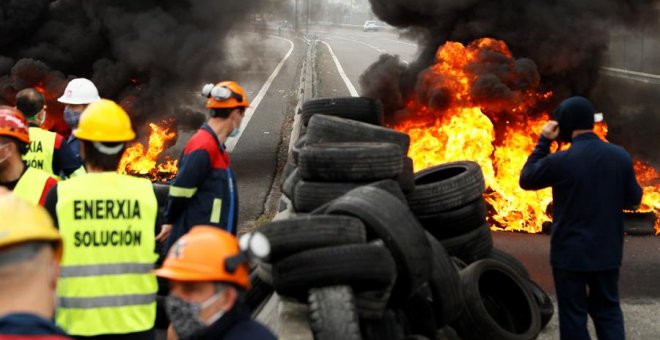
column 13, row 124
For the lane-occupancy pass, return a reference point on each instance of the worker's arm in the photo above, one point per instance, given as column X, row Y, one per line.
column 194, row 169
column 51, row 204
column 64, row 160
column 538, row 172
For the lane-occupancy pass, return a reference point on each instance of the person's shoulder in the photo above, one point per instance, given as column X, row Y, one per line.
column 250, row 329
column 201, row 140
column 617, row 150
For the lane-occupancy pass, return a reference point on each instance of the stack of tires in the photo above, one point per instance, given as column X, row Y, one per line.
column 335, row 154
column 385, row 254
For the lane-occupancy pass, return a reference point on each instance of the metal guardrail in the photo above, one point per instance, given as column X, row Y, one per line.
column 632, row 75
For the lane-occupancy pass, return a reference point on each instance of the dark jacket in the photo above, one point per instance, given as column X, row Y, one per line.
column 201, row 192
column 29, row 326
column 592, row 182
column 237, row 325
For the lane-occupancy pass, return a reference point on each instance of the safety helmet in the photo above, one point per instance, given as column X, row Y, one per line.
column 13, row 124
column 104, row 121
column 80, row 91
column 225, row 95
column 23, row 222
column 206, row 253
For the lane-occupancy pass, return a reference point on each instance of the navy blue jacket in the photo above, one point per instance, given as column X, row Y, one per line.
column 201, row 194
column 592, row 182
column 237, row 325
column 29, row 326
column 74, row 147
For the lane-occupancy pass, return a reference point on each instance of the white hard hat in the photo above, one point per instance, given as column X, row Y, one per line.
column 80, row 91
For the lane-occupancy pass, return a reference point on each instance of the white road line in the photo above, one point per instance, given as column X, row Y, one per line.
column 350, row 86
column 362, row 43
column 231, row 142
column 399, row 42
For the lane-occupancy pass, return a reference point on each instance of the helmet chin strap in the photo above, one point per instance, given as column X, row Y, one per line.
column 107, row 150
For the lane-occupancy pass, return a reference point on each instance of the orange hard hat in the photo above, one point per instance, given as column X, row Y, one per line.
column 225, row 95
column 206, row 253
column 13, row 124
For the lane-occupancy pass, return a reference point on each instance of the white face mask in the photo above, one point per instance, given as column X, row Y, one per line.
column 3, row 159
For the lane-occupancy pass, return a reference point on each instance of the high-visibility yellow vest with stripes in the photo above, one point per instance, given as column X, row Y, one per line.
column 107, row 224
column 41, row 150
column 31, row 185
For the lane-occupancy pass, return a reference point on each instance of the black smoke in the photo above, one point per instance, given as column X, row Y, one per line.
column 565, row 39
column 146, row 54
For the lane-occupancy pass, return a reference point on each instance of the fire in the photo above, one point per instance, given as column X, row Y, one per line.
column 144, row 163
column 478, row 103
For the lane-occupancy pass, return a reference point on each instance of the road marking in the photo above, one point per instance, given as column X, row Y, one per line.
column 232, row 141
column 350, row 86
column 399, row 42
column 362, row 43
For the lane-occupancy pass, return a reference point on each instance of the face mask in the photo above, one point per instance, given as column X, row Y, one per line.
column 184, row 315
column 235, row 132
column 41, row 117
column 2, row 147
column 71, row 118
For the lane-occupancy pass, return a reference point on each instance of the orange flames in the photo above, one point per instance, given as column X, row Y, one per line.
column 483, row 122
column 144, row 163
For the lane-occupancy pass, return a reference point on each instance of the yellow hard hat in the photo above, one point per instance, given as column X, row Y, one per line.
column 104, row 121
column 24, row 222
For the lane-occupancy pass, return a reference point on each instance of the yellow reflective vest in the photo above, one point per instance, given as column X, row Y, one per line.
column 107, row 225
column 41, row 150
column 31, row 185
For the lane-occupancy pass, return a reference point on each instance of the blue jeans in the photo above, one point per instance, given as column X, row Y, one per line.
column 589, row 293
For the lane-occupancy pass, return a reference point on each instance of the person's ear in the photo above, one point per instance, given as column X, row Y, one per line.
column 228, row 298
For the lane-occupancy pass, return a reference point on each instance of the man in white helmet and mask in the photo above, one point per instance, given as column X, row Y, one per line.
column 79, row 93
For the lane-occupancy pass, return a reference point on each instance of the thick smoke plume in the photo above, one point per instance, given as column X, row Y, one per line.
column 145, row 54
column 565, row 39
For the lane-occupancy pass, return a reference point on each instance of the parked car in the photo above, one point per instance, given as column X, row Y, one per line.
column 370, row 25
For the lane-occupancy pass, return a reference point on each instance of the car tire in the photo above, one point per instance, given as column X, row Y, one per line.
column 332, row 313
column 362, row 109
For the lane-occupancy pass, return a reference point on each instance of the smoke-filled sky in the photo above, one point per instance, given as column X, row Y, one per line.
column 145, row 53
column 566, row 39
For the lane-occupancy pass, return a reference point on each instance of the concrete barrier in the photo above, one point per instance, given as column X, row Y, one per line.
column 286, row 318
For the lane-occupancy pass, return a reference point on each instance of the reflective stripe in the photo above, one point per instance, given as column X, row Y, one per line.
column 106, row 269
column 106, row 301
column 182, row 192
column 217, row 209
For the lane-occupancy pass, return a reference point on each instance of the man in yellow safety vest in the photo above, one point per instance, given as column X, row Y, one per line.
column 47, row 150
column 27, row 183
column 106, row 288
